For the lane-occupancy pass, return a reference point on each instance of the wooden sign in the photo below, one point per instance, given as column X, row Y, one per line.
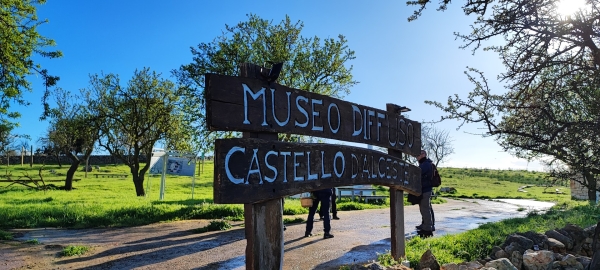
column 248, row 104
column 254, row 170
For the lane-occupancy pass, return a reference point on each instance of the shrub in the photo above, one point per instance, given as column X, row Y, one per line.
column 74, row 250
column 215, row 225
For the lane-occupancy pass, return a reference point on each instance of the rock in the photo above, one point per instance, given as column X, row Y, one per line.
column 537, row 238
column 375, row 266
column 538, row 260
column 358, row 267
column 501, row 264
column 560, row 237
column 523, row 241
column 585, row 261
column 429, row 261
column 577, row 234
column 568, row 262
column 448, row 189
column 516, row 258
column 450, row 266
column 494, row 250
column 472, row 265
column 556, row 246
column 514, row 246
column 500, row 254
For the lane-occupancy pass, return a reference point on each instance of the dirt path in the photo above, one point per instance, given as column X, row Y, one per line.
column 359, row 236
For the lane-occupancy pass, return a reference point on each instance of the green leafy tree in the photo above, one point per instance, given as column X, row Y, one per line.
column 552, row 80
column 71, row 131
column 312, row 64
column 134, row 118
column 19, row 43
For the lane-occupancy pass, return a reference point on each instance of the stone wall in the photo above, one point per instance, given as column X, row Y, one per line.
column 94, row 160
column 579, row 191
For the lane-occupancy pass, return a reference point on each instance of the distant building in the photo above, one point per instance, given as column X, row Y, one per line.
column 579, row 191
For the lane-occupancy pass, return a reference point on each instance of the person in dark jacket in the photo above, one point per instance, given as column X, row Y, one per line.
column 323, row 196
column 322, row 213
column 427, row 227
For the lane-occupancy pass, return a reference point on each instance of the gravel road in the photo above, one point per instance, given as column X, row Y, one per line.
column 359, row 236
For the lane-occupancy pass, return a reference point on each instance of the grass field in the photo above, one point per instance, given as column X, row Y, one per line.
column 112, row 202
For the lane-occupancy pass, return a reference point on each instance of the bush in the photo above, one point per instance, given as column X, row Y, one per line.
column 74, row 250
column 215, row 225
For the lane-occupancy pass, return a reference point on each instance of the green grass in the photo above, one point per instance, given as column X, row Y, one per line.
column 32, row 242
column 214, row 225
column 478, row 243
column 112, row 202
column 74, row 251
column 5, row 235
column 501, row 184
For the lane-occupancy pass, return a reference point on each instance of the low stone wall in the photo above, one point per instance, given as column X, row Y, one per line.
column 94, row 160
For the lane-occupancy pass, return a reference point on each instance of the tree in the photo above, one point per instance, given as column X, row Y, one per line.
column 552, row 80
column 19, row 42
column 310, row 64
column 132, row 119
column 437, row 143
column 72, row 131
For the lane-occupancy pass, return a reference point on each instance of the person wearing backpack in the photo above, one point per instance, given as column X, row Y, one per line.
column 427, row 227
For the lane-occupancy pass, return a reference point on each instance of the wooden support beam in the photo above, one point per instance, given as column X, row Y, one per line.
column 396, row 206
column 263, row 221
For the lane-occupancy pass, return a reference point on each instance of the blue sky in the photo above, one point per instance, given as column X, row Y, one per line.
column 396, row 61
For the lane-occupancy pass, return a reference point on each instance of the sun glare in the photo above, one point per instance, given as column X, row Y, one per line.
column 569, row 7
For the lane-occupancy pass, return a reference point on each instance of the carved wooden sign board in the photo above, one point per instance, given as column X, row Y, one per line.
column 252, row 170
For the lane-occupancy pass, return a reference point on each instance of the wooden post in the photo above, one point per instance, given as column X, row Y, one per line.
column 396, row 206
column 263, row 221
column 31, row 153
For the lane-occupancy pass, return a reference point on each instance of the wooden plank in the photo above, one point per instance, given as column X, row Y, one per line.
column 254, row 170
column 247, row 104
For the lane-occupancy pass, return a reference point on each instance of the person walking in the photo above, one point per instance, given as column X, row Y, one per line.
column 427, row 227
column 323, row 197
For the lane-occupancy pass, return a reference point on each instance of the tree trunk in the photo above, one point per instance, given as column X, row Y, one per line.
column 58, row 160
column 595, row 263
column 591, row 185
column 74, row 165
column 138, row 181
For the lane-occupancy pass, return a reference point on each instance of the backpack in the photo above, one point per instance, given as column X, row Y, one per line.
column 436, row 180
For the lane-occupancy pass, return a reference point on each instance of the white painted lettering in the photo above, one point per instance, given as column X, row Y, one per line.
column 302, row 110
column 310, row 176
column 254, row 96
column 285, row 155
column 335, row 169
column 355, row 110
column 315, row 113
column 379, row 116
column 296, row 165
column 257, row 170
column 272, row 168
column 227, row 170
column 281, row 124
column 323, row 174
column 333, row 105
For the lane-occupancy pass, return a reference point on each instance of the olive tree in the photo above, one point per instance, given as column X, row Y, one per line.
column 134, row 117
column 549, row 107
column 310, row 63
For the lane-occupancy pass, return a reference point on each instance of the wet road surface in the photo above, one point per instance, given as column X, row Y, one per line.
column 359, row 236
